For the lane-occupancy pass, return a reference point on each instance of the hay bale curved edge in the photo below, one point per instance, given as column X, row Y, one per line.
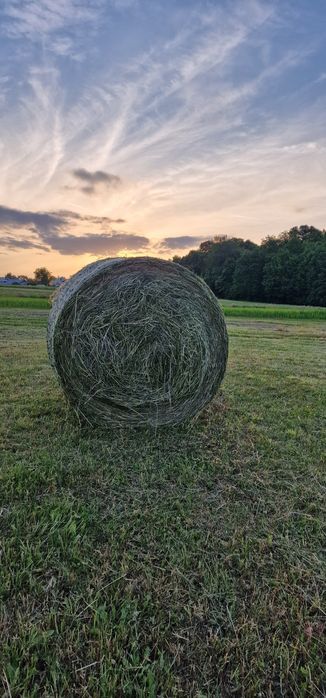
column 137, row 341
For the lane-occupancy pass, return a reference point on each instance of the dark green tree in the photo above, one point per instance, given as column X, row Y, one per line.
column 313, row 266
column 288, row 268
column 283, row 279
column 247, row 280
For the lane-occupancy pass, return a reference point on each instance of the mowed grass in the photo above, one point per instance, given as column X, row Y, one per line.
column 36, row 291
column 39, row 298
column 187, row 562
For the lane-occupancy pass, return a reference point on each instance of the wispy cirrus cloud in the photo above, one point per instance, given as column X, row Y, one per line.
column 205, row 110
column 37, row 18
column 57, row 25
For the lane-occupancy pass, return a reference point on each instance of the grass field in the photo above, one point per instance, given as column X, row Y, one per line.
column 187, row 562
column 39, row 298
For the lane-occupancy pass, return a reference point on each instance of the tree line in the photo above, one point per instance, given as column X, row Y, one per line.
column 41, row 276
column 288, row 268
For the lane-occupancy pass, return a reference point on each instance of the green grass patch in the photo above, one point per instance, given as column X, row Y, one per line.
column 12, row 301
column 31, row 297
column 257, row 304
column 185, row 562
column 273, row 312
column 40, row 298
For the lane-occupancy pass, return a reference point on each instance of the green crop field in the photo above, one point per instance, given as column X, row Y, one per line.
column 186, row 562
column 34, row 297
column 272, row 310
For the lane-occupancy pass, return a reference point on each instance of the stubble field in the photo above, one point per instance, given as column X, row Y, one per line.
column 186, row 562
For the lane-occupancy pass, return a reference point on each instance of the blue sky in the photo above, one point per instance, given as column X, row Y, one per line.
column 144, row 127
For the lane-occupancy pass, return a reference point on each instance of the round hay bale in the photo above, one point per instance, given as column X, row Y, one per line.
column 137, row 341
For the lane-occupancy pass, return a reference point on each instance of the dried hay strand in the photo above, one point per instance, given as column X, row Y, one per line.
column 137, row 341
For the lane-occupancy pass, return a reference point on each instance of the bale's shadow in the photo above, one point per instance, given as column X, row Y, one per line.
column 193, row 442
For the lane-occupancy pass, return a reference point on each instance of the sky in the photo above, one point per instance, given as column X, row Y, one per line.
column 143, row 127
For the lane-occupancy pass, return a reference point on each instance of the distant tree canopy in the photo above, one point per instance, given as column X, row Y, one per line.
column 289, row 268
column 42, row 276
